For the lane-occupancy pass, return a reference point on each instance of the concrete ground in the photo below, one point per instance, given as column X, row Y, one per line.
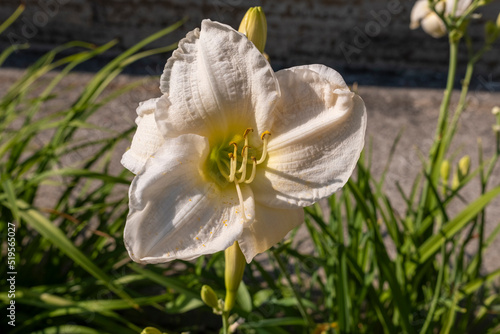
column 390, row 110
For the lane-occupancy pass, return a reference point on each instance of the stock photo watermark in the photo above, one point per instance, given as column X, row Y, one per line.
column 33, row 22
column 362, row 38
column 11, row 273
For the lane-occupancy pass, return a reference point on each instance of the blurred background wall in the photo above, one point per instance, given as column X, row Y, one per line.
column 367, row 40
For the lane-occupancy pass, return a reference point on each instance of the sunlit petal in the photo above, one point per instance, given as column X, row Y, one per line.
column 319, row 129
column 175, row 213
column 147, row 138
column 216, row 80
column 269, row 227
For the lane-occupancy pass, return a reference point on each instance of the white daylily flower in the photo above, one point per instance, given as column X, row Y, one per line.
column 238, row 149
column 422, row 16
column 431, row 23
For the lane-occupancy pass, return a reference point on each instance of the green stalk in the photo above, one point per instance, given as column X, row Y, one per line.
column 437, row 292
column 437, row 151
column 300, row 305
column 444, row 110
column 225, row 322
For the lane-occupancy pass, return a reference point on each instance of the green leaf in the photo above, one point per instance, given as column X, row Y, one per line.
column 431, row 245
column 183, row 304
column 243, row 298
column 290, row 321
column 69, row 329
column 167, row 282
column 49, row 231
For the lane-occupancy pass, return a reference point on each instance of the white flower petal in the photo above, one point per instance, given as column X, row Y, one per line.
column 418, row 12
column 147, row 139
column 216, row 79
column 269, row 227
column 316, row 140
column 462, row 6
column 433, row 25
column 175, row 213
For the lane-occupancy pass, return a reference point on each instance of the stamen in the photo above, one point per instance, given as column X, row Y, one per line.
column 254, row 169
column 240, row 198
column 232, row 170
column 265, row 138
column 243, row 169
column 244, row 163
column 234, row 161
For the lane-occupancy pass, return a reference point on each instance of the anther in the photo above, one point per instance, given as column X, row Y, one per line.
column 264, row 134
column 243, row 150
column 254, row 169
column 246, row 132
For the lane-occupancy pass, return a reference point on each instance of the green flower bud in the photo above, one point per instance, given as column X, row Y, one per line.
column 233, row 273
column 445, row 171
column 150, row 330
column 209, row 297
column 254, row 26
column 455, row 183
column 463, row 166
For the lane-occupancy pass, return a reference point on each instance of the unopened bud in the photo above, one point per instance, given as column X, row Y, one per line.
column 495, row 111
column 445, row 171
column 498, row 21
column 233, row 273
column 455, row 183
column 463, row 166
column 150, row 330
column 254, row 26
column 496, row 128
column 209, row 297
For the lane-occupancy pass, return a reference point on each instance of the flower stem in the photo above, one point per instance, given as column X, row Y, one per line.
column 225, row 322
column 438, row 149
column 445, row 105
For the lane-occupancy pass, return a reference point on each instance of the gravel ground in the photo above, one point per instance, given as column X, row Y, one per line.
column 390, row 110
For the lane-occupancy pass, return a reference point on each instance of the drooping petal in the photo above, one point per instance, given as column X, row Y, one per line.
column 175, row 213
column 147, row 138
column 418, row 12
column 216, row 79
column 433, row 25
column 316, row 140
column 269, row 227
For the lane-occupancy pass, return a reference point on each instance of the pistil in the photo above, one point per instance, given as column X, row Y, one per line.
column 240, row 198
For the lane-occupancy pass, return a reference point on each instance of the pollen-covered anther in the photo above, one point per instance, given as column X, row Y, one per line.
column 246, row 132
